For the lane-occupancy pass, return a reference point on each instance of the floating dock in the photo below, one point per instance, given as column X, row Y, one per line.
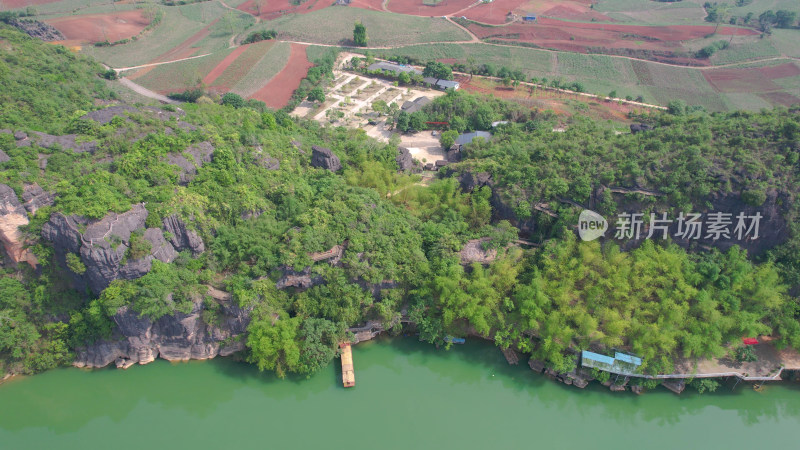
column 348, row 374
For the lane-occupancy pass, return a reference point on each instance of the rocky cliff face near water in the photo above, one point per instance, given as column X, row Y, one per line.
column 102, row 244
column 178, row 337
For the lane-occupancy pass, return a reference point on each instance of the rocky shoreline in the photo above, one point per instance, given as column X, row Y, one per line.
column 183, row 337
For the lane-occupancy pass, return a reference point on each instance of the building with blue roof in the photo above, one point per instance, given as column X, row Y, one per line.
column 621, row 363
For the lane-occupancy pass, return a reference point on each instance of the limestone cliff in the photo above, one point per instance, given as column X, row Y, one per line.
column 102, row 244
column 178, row 337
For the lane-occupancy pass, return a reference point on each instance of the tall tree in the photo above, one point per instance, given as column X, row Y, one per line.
column 360, row 34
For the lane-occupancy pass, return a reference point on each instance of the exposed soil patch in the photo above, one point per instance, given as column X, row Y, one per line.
column 758, row 81
column 101, row 27
column 417, row 8
column 374, row 5
column 581, row 37
column 14, row 4
column 494, row 13
column 750, row 80
column 561, row 103
column 564, row 9
column 278, row 91
column 272, row 9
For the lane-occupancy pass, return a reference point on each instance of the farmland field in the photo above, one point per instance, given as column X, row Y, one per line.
column 102, row 27
column 51, row 6
column 600, row 74
column 786, row 41
column 335, row 26
column 246, row 57
column 757, row 6
column 184, row 31
column 277, row 92
column 651, row 12
column 270, row 63
column 182, row 75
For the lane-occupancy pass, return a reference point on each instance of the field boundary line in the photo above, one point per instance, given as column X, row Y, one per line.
column 122, row 69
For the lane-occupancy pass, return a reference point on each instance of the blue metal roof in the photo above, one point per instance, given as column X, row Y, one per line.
column 587, row 355
column 467, row 138
column 630, row 359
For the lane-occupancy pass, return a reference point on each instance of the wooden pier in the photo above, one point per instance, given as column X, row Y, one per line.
column 348, row 374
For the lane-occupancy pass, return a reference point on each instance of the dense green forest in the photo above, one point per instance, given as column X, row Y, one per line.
column 402, row 239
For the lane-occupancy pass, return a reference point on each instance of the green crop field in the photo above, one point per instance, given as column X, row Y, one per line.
column 651, row 12
column 263, row 70
column 757, row 49
column 757, row 6
column 64, row 6
column 335, row 26
column 243, row 64
column 786, row 41
column 181, row 75
column 599, row 74
column 790, row 84
column 179, row 24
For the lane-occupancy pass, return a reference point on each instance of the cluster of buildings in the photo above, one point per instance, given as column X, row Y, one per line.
column 397, row 69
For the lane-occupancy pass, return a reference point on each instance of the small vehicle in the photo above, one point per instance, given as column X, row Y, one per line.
column 434, row 133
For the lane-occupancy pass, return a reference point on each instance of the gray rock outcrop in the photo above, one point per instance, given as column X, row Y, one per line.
column 181, row 237
column 299, row 280
column 177, row 337
column 404, row 159
column 471, row 181
column 103, row 244
column 106, row 115
column 639, row 127
column 4, row 157
column 36, row 29
column 67, row 141
column 192, row 159
column 35, row 198
column 324, row 158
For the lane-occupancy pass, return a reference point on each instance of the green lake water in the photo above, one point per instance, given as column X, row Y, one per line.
column 408, row 395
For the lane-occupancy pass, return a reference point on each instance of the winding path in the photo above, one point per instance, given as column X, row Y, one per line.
column 146, row 92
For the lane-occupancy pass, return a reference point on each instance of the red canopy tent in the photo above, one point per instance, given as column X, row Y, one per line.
column 750, row 341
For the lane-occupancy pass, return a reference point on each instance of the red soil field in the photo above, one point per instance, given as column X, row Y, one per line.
column 272, row 9
column 184, row 49
column 750, row 80
column 374, row 5
column 101, row 27
column 782, row 71
column 278, row 91
column 493, row 13
column 546, row 99
column 572, row 10
column 416, row 8
column 224, row 64
column 577, row 37
column 15, row 4
column 780, row 98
